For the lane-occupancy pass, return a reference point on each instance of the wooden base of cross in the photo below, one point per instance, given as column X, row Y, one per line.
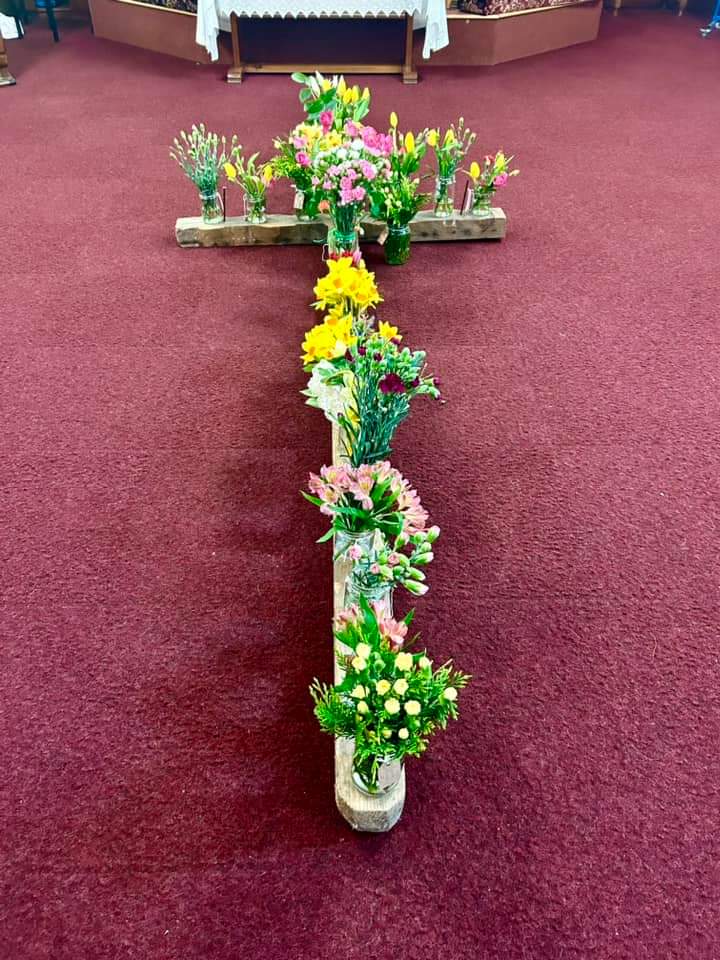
column 286, row 229
column 370, row 814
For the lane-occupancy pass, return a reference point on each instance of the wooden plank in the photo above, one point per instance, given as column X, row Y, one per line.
column 283, row 228
column 362, row 812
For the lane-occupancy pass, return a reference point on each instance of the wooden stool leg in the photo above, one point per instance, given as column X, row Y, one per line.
column 6, row 78
column 409, row 74
column 235, row 73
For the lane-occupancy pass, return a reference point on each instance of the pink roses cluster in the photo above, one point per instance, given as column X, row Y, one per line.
column 378, row 489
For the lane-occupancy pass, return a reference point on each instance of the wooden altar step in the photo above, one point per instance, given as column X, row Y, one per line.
column 282, row 228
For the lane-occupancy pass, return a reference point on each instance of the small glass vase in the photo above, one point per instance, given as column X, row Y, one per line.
column 445, row 197
column 376, row 777
column 343, row 244
column 255, row 209
column 305, row 206
column 397, row 244
column 482, row 204
column 380, row 593
column 212, row 209
column 344, row 539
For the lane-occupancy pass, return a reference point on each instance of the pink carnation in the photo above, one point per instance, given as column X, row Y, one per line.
column 326, row 120
column 500, row 180
column 303, row 159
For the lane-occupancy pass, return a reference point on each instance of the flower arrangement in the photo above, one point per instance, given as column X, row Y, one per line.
column 286, row 164
column 367, row 498
column 494, row 173
column 390, row 702
column 330, row 100
column 347, row 286
column 254, row 179
column 386, row 379
column 377, row 570
column 202, row 155
column 449, row 153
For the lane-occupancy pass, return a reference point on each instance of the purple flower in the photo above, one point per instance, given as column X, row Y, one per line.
column 362, row 351
column 349, row 357
column 415, row 382
column 397, row 341
column 391, row 383
column 377, row 357
column 436, row 382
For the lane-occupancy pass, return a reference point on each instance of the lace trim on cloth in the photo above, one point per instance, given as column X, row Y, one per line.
column 433, row 12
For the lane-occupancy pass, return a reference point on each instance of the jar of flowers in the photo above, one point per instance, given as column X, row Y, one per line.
column 254, row 179
column 202, row 155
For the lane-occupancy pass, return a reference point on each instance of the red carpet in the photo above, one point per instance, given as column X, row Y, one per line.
column 165, row 790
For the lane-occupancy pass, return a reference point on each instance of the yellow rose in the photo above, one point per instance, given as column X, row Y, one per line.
column 358, row 692
column 358, row 663
column 230, row 171
column 393, row 120
column 382, row 687
column 403, row 733
column 412, row 708
column 400, row 687
column 404, row 661
column 474, row 170
column 392, row 705
column 363, row 650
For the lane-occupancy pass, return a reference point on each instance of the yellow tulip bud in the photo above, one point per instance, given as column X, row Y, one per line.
column 267, row 173
column 432, row 138
column 341, row 87
column 474, row 170
column 409, row 142
column 449, row 138
column 326, row 84
column 355, row 94
column 393, row 120
column 347, row 96
column 366, row 94
column 230, row 171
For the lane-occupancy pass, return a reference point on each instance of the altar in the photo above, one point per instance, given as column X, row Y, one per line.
column 430, row 13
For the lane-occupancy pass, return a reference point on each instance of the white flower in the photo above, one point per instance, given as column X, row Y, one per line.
column 358, row 692
column 363, row 650
column 392, row 705
column 382, row 687
column 404, row 661
column 412, row 708
column 358, row 663
column 450, row 693
column 403, row 733
column 400, row 687
column 424, row 663
column 362, row 707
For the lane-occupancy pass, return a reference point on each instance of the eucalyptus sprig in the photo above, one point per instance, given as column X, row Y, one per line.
column 202, row 155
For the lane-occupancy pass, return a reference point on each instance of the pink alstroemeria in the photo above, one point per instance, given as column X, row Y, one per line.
column 326, row 120
column 303, row 159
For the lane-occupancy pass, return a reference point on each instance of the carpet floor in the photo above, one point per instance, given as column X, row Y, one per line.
column 165, row 792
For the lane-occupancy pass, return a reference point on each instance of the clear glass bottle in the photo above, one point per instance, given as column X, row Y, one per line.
column 255, row 208
column 212, row 208
column 482, row 204
column 445, row 197
column 378, row 776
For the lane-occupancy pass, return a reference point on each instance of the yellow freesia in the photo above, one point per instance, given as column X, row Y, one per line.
column 449, row 138
column 409, row 142
column 474, row 170
column 432, row 138
column 393, row 120
column 230, row 171
column 388, row 332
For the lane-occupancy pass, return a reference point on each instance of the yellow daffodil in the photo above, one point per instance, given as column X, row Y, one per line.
column 474, row 170
column 432, row 138
column 393, row 120
column 409, row 142
column 230, row 171
column 387, row 331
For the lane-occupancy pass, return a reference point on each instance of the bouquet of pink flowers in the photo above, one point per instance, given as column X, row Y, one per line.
column 366, row 498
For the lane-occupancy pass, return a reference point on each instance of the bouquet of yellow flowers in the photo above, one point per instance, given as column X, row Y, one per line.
column 254, row 178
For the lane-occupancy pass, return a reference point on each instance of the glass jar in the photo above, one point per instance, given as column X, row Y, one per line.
column 212, row 208
column 482, row 204
column 344, row 539
column 397, row 244
column 305, row 206
column 255, row 208
column 376, row 776
column 445, row 197
column 343, row 244
column 378, row 592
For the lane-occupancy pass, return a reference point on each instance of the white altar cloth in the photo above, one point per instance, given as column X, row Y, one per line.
column 433, row 12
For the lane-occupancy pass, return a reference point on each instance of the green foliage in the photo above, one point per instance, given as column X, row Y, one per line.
column 391, row 702
column 201, row 155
